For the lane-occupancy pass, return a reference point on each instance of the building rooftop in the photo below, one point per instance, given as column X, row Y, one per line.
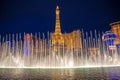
column 114, row 23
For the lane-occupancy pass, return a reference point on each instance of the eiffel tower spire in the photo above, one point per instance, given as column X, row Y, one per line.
column 57, row 26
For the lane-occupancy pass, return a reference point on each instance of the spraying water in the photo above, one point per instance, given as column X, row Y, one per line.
column 37, row 52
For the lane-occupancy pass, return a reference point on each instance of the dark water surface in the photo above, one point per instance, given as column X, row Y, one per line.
column 109, row 73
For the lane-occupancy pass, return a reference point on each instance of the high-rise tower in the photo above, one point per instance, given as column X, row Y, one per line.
column 57, row 37
column 57, row 26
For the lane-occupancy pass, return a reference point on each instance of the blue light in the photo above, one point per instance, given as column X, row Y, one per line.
column 118, row 45
column 27, row 52
column 109, row 42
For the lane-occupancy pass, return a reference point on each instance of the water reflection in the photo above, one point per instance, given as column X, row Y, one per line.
column 113, row 74
column 61, row 74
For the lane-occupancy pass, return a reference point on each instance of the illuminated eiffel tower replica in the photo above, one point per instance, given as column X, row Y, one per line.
column 67, row 41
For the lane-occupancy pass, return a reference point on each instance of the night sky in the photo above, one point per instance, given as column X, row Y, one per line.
column 39, row 15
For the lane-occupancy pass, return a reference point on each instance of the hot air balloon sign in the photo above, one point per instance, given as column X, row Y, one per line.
column 109, row 39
